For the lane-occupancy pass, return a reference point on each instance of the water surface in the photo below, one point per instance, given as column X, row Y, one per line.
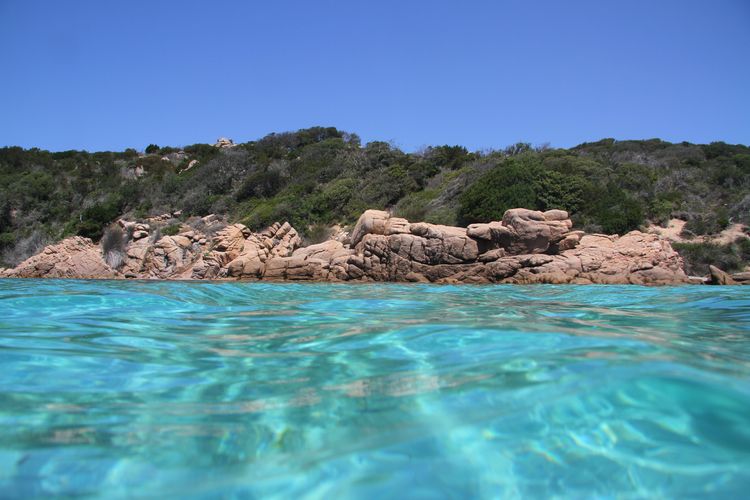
column 244, row 390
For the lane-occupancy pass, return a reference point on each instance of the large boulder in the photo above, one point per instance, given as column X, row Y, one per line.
column 525, row 231
column 75, row 257
column 719, row 277
column 534, row 232
column 635, row 258
column 276, row 241
column 227, row 245
column 377, row 222
column 172, row 256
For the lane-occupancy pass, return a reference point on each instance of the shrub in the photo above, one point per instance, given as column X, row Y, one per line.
column 636, row 178
column 317, row 233
column 446, row 216
column 264, row 184
column 414, row 206
column 171, row 229
column 7, row 239
column 6, row 219
column 450, row 157
column 25, row 247
column 509, row 185
column 94, row 218
column 89, row 229
column 556, row 190
column 698, row 256
column 333, row 200
column 113, row 246
column 386, row 185
column 710, row 223
column 201, row 152
column 38, row 185
column 616, row 212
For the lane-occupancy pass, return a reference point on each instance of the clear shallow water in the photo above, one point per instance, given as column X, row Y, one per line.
column 204, row 390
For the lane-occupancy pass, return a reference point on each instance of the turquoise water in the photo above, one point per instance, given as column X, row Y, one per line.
column 250, row 390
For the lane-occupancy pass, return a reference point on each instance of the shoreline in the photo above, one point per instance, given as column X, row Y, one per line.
column 526, row 247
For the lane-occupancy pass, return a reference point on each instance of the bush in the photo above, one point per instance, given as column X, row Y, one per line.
column 558, row 191
column 414, row 206
column 711, row 223
column 25, row 247
column 322, row 175
column 264, row 184
column 113, row 243
column 317, row 233
column 616, row 212
column 450, row 157
column 384, row 186
column 333, row 200
column 444, row 215
column 171, row 229
column 201, row 152
column 96, row 217
column 698, row 256
column 6, row 240
column 509, row 185
column 6, row 219
column 38, row 185
column 89, row 229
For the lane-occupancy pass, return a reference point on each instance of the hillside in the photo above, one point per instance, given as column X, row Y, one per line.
column 316, row 178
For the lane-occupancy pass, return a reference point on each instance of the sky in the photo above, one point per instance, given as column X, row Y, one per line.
column 98, row 75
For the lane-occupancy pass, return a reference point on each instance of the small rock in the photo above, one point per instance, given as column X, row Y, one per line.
column 223, row 142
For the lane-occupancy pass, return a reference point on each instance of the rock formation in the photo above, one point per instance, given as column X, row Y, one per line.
column 719, row 277
column 74, row 257
column 525, row 247
column 223, row 142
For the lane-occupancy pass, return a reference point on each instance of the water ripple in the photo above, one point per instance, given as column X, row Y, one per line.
column 121, row 389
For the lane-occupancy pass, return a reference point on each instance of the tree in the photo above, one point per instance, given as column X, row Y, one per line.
column 616, row 212
column 451, row 157
column 512, row 184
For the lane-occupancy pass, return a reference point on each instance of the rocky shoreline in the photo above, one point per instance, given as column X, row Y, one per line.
column 525, row 247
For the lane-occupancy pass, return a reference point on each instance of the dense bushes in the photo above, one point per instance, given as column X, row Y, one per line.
column 698, row 256
column 524, row 180
column 612, row 211
column 511, row 184
column 262, row 184
column 95, row 218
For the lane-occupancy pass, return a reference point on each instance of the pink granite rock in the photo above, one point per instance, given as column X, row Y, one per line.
column 525, row 247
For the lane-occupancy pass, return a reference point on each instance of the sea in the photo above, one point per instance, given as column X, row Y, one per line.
column 156, row 389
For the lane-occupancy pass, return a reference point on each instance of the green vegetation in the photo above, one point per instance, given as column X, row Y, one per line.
column 321, row 176
column 171, row 229
column 698, row 256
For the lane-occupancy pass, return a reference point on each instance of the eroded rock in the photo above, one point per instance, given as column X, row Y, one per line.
column 75, row 257
column 525, row 247
column 719, row 277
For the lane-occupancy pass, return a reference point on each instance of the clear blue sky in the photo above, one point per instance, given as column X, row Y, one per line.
column 101, row 75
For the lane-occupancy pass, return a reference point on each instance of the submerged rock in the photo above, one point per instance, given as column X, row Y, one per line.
column 527, row 246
